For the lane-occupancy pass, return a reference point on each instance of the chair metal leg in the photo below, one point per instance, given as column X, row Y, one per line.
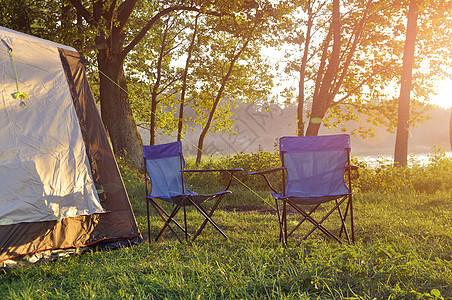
column 351, row 219
column 170, row 219
column 285, row 222
column 281, row 236
column 185, row 223
column 344, row 217
column 322, row 228
column 149, row 221
column 167, row 224
column 162, row 212
column 210, row 214
column 208, row 218
column 319, row 224
column 304, row 219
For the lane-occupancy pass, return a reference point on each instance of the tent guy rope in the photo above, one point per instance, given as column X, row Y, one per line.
column 235, row 177
column 18, row 93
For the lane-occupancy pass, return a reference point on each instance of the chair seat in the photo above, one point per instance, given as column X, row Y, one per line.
column 309, row 200
column 193, row 196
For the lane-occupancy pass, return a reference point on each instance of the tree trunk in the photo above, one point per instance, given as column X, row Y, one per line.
column 301, row 94
column 206, row 128
column 319, row 102
column 116, row 112
column 401, row 144
column 155, row 90
column 184, row 82
column 450, row 130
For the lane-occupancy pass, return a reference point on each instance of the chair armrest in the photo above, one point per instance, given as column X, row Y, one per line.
column 351, row 167
column 267, row 172
column 213, row 170
column 264, row 173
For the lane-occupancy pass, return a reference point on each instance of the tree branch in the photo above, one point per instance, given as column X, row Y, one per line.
column 334, row 103
column 154, row 19
column 83, row 12
column 124, row 11
column 358, row 33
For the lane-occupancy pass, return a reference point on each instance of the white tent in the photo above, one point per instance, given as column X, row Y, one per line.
column 56, row 165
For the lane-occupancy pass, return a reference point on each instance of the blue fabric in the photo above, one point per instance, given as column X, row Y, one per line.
column 163, row 150
column 315, row 165
column 198, row 199
column 164, row 164
column 296, row 144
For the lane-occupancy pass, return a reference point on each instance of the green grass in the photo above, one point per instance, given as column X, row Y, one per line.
column 403, row 251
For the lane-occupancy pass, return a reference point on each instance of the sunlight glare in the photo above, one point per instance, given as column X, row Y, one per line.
column 444, row 97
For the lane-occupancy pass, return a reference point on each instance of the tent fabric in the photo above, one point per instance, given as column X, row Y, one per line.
column 56, row 73
column 315, row 167
column 44, row 168
column 8, row 35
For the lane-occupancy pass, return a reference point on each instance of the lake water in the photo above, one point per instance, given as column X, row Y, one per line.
column 419, row 158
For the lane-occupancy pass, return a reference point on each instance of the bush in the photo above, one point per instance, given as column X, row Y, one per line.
column 430, row 176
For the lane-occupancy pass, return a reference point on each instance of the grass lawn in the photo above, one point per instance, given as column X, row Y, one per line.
column 403, row 251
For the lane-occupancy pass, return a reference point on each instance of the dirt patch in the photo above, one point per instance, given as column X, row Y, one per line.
column 265, row 210
column 250, row 209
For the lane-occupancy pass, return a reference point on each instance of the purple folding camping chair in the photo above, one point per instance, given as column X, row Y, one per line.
column 165, row 181
column 313, row 170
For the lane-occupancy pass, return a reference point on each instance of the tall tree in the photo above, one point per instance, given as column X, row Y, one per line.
column 184, row 80
column 229, row 67
column 218, row 97
column 333, row 59
column 114, row 40
column 302, row 72
column 401, row 144
column 320, row 100
column 356, row 85
column 450, row 131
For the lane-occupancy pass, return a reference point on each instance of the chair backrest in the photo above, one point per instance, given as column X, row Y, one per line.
column 315, row 164
column 164, row 164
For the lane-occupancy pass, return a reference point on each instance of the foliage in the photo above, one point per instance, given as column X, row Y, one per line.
column 369, row 71
column 229, row 49
column 153, row 74
column 421, row 177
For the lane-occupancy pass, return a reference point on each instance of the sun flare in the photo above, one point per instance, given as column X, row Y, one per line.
column 444, row 97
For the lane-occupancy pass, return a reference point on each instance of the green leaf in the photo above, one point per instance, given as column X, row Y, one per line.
column 436, row 293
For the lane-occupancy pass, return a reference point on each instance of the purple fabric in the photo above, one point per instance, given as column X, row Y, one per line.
column 163, row 150
column 164, row 164
column 315, row 165
column 297, row 144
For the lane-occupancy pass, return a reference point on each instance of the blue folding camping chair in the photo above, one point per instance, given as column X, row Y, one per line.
column 165, row 181
column 313, row 173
